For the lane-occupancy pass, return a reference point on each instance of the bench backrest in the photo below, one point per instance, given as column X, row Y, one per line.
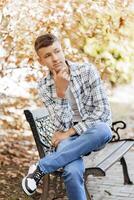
column 42, row 128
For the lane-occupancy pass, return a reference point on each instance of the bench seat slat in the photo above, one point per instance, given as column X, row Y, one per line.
column 97, row 163
column 95, row 158
column 109, row 161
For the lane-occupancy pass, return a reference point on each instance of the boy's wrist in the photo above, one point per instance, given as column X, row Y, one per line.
column 71, row 132
column 61, row 94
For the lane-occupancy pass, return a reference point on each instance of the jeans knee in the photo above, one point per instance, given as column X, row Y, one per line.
column 108, row 134
column 105, row 131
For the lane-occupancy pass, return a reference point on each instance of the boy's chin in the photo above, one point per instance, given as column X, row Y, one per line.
column 58, row 69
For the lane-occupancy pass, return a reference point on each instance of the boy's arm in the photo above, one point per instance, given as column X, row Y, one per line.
column 58, row 108
column 100, row 106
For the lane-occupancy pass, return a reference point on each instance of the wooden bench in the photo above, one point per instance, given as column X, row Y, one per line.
column 96, row 164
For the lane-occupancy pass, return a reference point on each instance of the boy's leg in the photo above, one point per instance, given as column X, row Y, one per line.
column 74, row 180
column 76, row 146
column 73, row 176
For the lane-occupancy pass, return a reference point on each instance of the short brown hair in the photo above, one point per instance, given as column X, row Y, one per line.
column 44, row 41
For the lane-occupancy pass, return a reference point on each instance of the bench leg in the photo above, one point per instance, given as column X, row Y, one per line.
column 45, row 193
column 89, row 197
column 53, row 187
column 46, row 187
column 125, row 172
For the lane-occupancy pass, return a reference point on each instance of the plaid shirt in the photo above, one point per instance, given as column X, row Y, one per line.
column 90, row 96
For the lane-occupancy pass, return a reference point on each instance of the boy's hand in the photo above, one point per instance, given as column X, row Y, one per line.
column 61, row 79
column 59, row 136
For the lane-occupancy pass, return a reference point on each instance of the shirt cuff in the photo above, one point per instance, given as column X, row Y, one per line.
column 80, row 128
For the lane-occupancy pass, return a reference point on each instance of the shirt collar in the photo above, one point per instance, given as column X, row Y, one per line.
column 73, row 66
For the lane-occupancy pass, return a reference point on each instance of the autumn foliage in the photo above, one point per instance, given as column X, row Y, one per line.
column 99, row 31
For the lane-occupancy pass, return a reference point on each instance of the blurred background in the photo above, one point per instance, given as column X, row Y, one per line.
column 98, row 31
column 90, row 30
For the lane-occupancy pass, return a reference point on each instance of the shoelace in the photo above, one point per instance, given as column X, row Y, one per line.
column 38, row 175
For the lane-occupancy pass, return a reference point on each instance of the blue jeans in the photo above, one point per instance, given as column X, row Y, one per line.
column 69, row 155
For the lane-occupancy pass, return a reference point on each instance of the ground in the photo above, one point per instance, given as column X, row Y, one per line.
column 16, row 154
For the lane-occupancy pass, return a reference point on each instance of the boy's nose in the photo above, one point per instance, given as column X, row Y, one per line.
column 55, row 57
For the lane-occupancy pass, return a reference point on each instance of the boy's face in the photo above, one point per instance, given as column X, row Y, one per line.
column 52, row 57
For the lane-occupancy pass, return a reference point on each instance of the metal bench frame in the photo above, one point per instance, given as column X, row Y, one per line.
column 99, row 170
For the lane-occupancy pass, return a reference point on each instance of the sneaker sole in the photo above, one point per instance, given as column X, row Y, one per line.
column 24, row 187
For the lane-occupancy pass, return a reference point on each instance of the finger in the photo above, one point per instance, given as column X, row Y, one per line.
column 64, row 75
column 63, row 69
column 52, row 140
column 56, row 143
column 67, row 77
column 61, row 72
column 54, row 74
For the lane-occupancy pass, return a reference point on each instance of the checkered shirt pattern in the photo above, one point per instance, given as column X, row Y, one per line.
column 89, row 93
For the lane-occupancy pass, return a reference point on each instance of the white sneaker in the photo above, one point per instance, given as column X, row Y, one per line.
column 30, row 182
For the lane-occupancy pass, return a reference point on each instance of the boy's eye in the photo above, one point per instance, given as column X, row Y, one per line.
column 57, row 51
column 46, row 56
